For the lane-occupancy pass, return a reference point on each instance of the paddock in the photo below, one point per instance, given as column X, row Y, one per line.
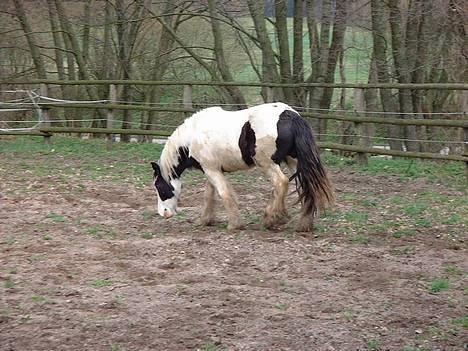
column 86, row 263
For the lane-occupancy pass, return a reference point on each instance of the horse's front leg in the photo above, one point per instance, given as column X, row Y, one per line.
column 226, row 192
column 207, row 217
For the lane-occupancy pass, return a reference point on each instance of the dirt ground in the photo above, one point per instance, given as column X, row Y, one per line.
column 87, row 265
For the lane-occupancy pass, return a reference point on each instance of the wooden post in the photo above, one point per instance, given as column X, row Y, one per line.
column 44, row 91
column 110, row 115
column 270, row 94
column 465, row 132
column 187, row 98
column 359, row 105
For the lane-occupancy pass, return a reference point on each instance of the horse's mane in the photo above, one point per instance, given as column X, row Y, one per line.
column 181, row 137
column 170, row 153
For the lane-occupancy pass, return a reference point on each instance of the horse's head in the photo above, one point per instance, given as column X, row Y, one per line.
column 168, row 192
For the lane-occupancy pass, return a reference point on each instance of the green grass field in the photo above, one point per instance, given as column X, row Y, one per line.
column 131, row 160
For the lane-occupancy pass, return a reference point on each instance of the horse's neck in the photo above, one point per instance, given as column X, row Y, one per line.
column 180, row 139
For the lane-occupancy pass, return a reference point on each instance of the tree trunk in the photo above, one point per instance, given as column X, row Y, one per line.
column 401, row 67
column 59, row 59
column 269, row 69
column 379, row 19
column 234, row 93
column 86, row 29
column 281, row 25
column 336, row 49
column 298, row 59
column 35, row 53
column 78, row 54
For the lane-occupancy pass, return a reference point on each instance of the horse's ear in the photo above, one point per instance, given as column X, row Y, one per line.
column 157, row 170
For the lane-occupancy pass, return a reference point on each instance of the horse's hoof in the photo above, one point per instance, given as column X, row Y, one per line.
column 235, row 226
column 284, row 218
column 305, row 227
column 207, row 222
column 271, row 222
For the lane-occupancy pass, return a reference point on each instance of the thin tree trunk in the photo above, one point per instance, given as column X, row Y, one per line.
column 323, row 50
column 401, row 68
column 59, row 59
column 269, row 68
column 379, row 19
column 422, row 61
column 78, row 54
column 86, row 29
column 33, row 48
column 233, row 92
column 314, row 55
column 336, row 49
column 281, row 25
column 298, row 56
column 371, row 97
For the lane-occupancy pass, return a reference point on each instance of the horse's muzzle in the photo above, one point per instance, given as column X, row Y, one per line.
column 168, row 214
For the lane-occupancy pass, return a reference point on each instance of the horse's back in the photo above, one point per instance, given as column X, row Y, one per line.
column 215, row 141
column 217, row 135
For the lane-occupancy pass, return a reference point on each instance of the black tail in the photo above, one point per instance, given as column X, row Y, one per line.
column 313, row 185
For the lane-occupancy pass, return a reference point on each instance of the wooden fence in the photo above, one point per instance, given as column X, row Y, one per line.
column 45, row 129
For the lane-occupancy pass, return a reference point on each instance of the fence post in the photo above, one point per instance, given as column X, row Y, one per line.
column 465, row 153
column 187, row 98
column 270, row 94
column 44, row 91
column 359, row 105
column 110, row 115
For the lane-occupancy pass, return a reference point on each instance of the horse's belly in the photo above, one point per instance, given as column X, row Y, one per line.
column 218, row 154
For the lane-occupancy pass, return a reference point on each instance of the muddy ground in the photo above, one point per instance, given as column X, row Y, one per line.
column 86, row 265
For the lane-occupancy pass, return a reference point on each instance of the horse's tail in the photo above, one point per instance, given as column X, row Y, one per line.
column 312, row 182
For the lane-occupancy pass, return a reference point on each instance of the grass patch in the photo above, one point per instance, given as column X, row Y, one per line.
column 452, row 270
column 348, row 315
column 414, row 348
column 373, row 345
column 453, row 219
column 9, row 284
column 99, row 283
column 125, row 162
column 356, row 217
column 360, row 239
column 148, row 235
column 439, row 284
column 280, row 306
column 449, row 173
column 99, row 231
column 210, row 347
column 415, row 209
column 423, row 222
column 55, row 217
column 461, row 322
column 38, row 298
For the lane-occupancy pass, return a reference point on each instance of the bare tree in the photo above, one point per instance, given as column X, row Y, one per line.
column 30, row 36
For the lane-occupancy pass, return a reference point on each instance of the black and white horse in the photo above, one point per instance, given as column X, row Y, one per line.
column 218, row 141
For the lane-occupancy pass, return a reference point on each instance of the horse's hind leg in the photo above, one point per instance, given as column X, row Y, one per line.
column 226, row 192
column 207, row 217
column 306, row 220
column 275, row 212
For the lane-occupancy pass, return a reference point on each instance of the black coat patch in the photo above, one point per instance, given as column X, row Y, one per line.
column 247, row 142
column 285, row 143
column 185, row 162
column 164, row 188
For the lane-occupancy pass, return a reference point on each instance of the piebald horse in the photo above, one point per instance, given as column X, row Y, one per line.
column 216, row 141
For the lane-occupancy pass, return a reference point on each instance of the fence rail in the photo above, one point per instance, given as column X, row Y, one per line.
column 421, row 86
column 44, row 129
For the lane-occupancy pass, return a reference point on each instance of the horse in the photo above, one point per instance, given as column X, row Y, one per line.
column 217, row 141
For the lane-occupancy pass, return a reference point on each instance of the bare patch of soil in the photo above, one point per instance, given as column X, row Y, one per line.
column 89, row 266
